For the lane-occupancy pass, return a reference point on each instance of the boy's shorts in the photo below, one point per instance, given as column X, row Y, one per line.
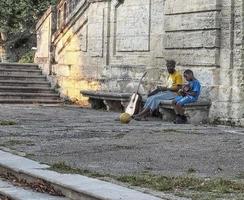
column 185, row 100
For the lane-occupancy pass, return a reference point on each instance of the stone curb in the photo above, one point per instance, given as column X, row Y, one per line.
column 72, row 186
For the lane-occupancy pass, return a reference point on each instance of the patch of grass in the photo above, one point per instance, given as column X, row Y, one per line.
column 62, row 167
column 191, row 171
column 28, row 57
column 29, row 155
column 240, row 175
column 164, row 183
column 215, row 187
column 7, row 123
column 10, row 143
column 201, row 196
column 119, row 136
column 170, row 130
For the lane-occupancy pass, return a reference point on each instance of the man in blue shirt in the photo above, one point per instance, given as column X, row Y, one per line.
column 188, row 94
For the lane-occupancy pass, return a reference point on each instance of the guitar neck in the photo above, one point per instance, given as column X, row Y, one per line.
column 140, row 82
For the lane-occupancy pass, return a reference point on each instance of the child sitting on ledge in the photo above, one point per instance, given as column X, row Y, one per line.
column 188, row 94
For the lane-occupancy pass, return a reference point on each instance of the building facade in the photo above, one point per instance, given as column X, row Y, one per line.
column 108, row 44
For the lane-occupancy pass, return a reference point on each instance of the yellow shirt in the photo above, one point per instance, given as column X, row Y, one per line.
column 174, row 80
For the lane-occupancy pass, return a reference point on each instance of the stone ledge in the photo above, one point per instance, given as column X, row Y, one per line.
column 104, row 95
column 112, row 101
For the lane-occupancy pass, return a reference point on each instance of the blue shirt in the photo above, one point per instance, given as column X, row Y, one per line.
column 195, row 87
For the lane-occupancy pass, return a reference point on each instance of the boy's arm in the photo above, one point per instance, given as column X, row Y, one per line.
column 195, row 90
column 191, row 93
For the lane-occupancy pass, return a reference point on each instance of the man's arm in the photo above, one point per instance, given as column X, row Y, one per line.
column 175, row 88
column 162, row 88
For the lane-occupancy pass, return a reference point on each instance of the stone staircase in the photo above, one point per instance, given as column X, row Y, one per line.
column 25, row 84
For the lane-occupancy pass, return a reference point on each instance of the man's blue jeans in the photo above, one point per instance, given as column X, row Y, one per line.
column 153, row 101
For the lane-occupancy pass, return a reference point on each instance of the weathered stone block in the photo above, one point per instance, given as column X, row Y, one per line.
column 192, row 21
column 226, row 110
column 205, row 57
column 132, row 31
column 195, row 39
column 183, row 6
column 96, row 30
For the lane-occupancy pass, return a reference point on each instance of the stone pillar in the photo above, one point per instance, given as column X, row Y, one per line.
column 229, row 106
column 44, row 31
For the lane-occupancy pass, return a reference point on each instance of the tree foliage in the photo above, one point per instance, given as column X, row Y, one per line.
column 17, row 25
column 21, row 15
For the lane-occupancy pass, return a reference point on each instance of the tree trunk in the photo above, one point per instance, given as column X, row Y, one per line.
column 3, row 49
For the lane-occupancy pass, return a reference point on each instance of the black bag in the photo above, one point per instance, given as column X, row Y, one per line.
column 154, row 92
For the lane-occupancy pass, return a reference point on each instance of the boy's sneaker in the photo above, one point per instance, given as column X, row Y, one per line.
column 180, row 119
column 184, row 119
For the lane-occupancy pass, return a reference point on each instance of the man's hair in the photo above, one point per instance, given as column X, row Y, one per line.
column 188, row 71
column 170, row 63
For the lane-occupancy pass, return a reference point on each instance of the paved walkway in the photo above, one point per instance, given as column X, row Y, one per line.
column 93, row 140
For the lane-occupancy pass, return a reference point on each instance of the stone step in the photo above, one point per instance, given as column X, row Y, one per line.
column 73, row 186
column 30, row 101
column 22, row 72
column 18, row 193
column 18, row 66
column 24, row 83
column 21, row 77
column 22, row 96
column 26, row 89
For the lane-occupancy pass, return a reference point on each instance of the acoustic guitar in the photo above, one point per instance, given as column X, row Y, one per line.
column 135, row 100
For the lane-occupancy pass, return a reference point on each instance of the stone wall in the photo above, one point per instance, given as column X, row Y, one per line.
column 107, row 45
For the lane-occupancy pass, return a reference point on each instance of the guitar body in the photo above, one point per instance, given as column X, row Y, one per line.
column 135, row 100
column 134, row 104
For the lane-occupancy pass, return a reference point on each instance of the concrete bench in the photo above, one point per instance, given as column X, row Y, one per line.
column 196, row 112
column 112, row 101
column 116, row 101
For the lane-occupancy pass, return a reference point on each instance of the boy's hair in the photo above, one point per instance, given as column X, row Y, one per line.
column 188, row 71
column 170, row 63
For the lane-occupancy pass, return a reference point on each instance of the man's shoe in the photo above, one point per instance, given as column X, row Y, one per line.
column 137, row 118
column 179, row 120
column 184, row 119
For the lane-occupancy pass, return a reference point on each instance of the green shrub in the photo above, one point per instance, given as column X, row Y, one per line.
column 28, row 57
